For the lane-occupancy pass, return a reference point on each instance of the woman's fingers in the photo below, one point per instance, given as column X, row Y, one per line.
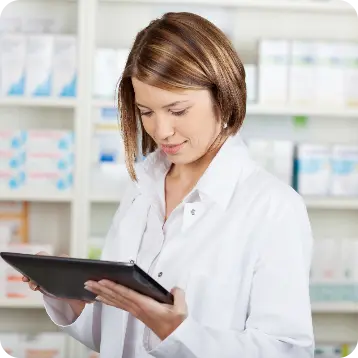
column 33, row 286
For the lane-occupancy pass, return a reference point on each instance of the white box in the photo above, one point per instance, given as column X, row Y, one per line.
column 10, row 343
column 65, row 66
column 314, row 169
column 39, row 65
column 273, row 71
column 13, row 160
column 350, row 54
column 49, row 345
column 51, row 181
column 106, row 73
column 13, row 61
column 49, row 162
column 49, row 141
column 344, row 170
column 327, row 261
column 283, row 154
column 251, row 82
column 12, row 139
column 276, row 156
column 330, row 74
column 108, row 147
column 12, row 179
column 303, row 75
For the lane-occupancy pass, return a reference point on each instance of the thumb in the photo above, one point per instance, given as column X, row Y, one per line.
column 179, row 298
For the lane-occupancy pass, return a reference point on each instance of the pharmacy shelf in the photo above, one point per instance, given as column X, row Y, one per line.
column 332, row 203
column 35, row 196
column 291, row 110
column 285, row 5
column 21, row 303
column 335, row 307
column 104, row 103
column 38, row 102
column 274, row 110
column 106, row 198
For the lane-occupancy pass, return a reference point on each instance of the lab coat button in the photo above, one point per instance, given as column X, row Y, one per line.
column 132, row 261
column 193, row 212
column 160, row 274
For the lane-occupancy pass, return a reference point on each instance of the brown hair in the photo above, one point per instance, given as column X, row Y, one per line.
column 181, row 51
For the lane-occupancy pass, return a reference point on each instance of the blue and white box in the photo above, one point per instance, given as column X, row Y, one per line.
column 49, row 141
column 39, row 65
column 13, row 140
column 344, row 170
column 313, row 169
column 13, row 62
column 65, row 66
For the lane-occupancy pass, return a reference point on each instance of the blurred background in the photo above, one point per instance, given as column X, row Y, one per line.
column 62, row 171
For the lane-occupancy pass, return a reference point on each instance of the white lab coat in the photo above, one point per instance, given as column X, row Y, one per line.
column 243, row 260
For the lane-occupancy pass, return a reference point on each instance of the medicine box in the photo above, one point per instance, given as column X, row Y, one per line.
column 106, row 73
column 303, row 73
column 313, row 169
column 49, row 141
column 48, row 344
column 12, row 140
column 65, row 66
column 350, row 60
column 329, row 84
column 13, row 62
column 344, row 170
column 39, row 65
column 273, row 71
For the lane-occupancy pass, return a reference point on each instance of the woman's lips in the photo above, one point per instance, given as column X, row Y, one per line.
column 172, row 148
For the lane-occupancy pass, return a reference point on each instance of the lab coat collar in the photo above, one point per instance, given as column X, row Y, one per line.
column 218, row 182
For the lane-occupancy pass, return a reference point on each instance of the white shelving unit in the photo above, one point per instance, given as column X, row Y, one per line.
column 68, row 220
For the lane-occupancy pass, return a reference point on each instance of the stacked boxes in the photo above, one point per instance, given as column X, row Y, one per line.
column 38, row 159
column 50, row 160
column 324, row 170
column 38, row 65
column 334, row 273
column 12, row 159
column 308, row 73
column 50, row 345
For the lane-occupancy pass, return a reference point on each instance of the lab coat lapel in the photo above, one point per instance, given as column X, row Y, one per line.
column 132, row 228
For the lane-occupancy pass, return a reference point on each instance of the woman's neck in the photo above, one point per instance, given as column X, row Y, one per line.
column 190, row 173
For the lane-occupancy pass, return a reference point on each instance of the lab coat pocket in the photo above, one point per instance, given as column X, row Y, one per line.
column 211, row 301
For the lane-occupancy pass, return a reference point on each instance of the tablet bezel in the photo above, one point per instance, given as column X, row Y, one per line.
column 11, row 257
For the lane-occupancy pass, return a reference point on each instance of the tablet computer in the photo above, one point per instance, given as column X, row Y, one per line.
column 65, row 277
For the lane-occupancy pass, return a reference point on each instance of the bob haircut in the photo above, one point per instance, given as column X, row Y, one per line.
column 180, row 51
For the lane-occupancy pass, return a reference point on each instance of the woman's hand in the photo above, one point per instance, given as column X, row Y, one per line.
column 76, row 305
column 162, row 319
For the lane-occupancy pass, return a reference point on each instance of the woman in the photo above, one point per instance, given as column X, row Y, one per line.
column 231, row 241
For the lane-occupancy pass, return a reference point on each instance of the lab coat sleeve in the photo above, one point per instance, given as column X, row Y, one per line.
column 87, row 327
column 279, row 323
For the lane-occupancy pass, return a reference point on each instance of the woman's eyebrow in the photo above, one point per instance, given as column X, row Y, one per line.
column 166, row 106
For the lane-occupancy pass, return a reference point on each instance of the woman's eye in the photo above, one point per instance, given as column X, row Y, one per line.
column 180, row 113
column 148, row 114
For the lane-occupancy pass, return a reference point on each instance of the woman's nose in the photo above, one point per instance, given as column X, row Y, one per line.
column 164, row 128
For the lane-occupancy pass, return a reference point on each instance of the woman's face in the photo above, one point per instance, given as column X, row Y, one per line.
column 183, row 124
